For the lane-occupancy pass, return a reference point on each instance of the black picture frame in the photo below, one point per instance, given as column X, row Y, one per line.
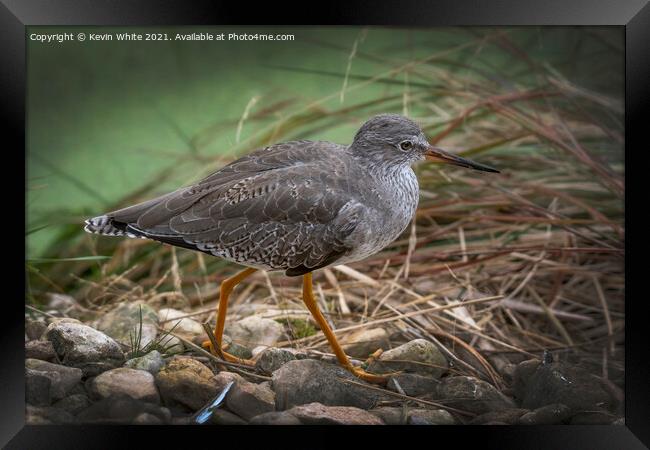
column 15, row 15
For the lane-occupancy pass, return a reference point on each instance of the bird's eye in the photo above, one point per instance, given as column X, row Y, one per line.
column 406, row 145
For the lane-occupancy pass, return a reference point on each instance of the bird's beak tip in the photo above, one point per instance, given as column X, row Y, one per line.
column 436, row 154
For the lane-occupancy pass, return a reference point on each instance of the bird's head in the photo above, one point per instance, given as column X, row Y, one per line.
column 395, row 140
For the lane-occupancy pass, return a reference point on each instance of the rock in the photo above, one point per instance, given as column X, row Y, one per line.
column 507, row 416
column 185, row 326
column 421, row 416
column 116, row 409
column 42, row 350
column 223, row 417
column 34, row 329
column 546, row 415
column 138, row 384
column 363, row 343
column 412, row 384
column 62, row 379
column 38, row 388
column 123, row 324
column 594, row 418
column 185, row 381
column 84, row 347
column 253, row 331
column 319, row 414
column 307, row 381
column 391, row 415
column 245, row 399
column 472, row 395
column 152, row 362
column 273, row 358
column 60, row 302
column 540, row 383
column 147, row 419
column 38, row 415
column 73, row 404
column 275, row 418
column 418, row 356
column 171, row 344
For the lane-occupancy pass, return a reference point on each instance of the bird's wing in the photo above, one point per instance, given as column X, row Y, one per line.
column 295, row 217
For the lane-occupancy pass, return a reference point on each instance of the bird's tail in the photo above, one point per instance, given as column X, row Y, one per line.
column 106, row 226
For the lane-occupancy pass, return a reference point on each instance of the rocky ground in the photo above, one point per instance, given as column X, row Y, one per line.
column 90, row 373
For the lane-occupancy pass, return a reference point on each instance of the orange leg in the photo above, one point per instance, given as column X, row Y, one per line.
column 310, row 302
column 227, row 286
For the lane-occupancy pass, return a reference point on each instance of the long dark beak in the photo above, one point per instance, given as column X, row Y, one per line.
column 436, row 154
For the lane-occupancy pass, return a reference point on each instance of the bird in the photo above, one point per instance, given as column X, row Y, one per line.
column 295, row 206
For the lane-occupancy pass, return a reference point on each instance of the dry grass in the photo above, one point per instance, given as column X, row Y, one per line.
column 495, row 268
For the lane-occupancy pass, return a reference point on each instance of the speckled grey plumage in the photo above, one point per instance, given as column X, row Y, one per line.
column 295, row 206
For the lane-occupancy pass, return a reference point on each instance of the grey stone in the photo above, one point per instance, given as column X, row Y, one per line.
column 421, row 416
column 594, row 418
column 391, row 415
column 413, row 384
column 224, row 417
column 42, row 350
column 417, row 356
column 34, row 329
column 546, row 415
column 275, row 418
column 123, row 324
column 273, row 358
column 60, row 302
column 39, row 415
column 63, row 379
column 253, row 331
column 472, row 395
column 84, row 347
column 185, row 381
column 543, row 383
column 138, row 384
column 147, row 419
column 508, row 416
column 38, row 387
column 319, row 414
column 245, row 399
column 363, row 343
column 73, row 404
column 152, row 362
column 116, row 409
column 308, row 381
column 186, row 326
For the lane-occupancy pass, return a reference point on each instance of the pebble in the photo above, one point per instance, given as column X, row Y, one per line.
column 120, row 409
column 546, row 415
column 185, row 381
column 245, row 399
column 84, row 347
column 319, row 414
column 273, row 358
column 540, row 383
column 307, row 381
column 363, row 343
column 73, row 404
column 60, row 302
column 421, row 416
column 275, row 418
column 412, row 384
column 38, row 388
column 253, row 331
column 42, row 350
column 123, row 323
column 508, row 416
column 417, row 356
column 152, row 362
column 39, row 415
column 185, row 326
column 138, row 384
column 472, row 395
column 34, row 329
column 593, row 418
column 62, row 379
column 224, row 417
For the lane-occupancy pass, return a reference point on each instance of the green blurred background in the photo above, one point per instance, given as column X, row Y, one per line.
column 106, row 119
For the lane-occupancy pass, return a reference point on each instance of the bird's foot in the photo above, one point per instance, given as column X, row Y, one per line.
column 369, row 377
column 226, row 356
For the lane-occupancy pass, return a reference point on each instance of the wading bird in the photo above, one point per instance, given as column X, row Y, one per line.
column 295, row 206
